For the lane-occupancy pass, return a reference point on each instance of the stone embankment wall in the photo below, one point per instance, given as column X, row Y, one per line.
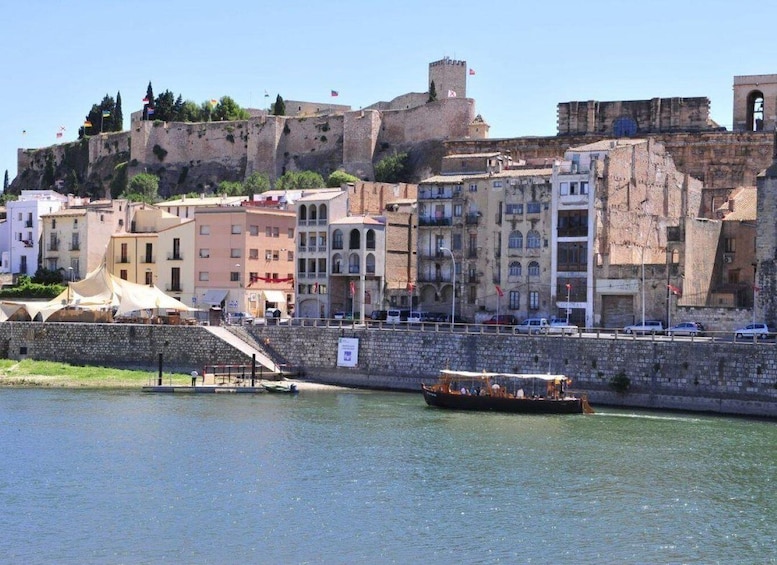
column 730, row 378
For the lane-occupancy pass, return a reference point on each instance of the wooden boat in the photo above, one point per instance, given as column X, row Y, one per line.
column 280, row 388
column 505, row 392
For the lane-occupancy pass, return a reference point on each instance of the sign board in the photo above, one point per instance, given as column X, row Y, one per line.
column 347, row 351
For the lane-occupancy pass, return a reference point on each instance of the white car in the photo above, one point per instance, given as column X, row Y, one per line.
column 560, row 326
column 647, row 327
column 533, row 326
column 757, row 331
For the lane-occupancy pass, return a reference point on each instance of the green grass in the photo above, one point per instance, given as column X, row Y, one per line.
column 49, row 373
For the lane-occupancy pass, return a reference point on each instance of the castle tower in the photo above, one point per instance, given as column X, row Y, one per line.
column 449, row 77
column 755, row 103
column 766, row 243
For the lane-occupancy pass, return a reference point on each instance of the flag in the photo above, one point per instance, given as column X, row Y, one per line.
column 499, row 291
column 266, row 95
column 569, row 286
column 315, row 288
column 756, row 288
column 472, row 71
column 335, row 93
column 87, row 124
column 59, row 134
column 24, row 132
column 106, row 113
column 352, row 285
column 451, row 94
column 410, row 287
column 149, row 111
column 145, row 100
column 673, row 289
column 213, row 102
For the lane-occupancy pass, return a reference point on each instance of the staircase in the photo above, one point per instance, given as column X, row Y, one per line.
column 244, row 344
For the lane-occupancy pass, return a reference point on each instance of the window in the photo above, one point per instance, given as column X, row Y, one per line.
column 337, row 239
column 276, row 256
column 203, row 276
column 290, row 256
column 563, row 189
column 253, row 230
column 534, row 300
column 730, row 245
column 534, row 269
column 204, row 253
column 515, row 269
column 456, row 242
column 457, row 210
column 472, row 295
column 533, row 240
column 584, row 187
column 123, row 274
column 572, row 223
column 513, row 209
column 234, row 276
column 497, row 184
column 268, row 231
column 234, row 253
column 236, row 229
column 291, row 233
column 572, row 256
column 253, row 254
column 533, row 208
column 473, row 187
column 204, row 230
column 54, row 224
column 514, row 300
column 276, row 232
column 515, row 241
column 268, row 255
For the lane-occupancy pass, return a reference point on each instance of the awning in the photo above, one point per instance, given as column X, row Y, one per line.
column 277, row 296
column 214, row 297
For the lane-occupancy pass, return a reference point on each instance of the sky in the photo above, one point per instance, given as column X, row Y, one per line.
column 58, row 58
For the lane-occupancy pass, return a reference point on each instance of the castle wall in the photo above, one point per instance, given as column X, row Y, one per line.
column 360, row 136
column 443, row 119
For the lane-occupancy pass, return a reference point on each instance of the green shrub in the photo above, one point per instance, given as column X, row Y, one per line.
column 620, row 383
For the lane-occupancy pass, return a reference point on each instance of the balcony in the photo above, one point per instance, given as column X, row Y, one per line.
column 148, row 259
column 433, row 278
column 173, row 287
column 431, row 222
column 175, row 256
column 473, row 218
column 75, row 247
column 435, row 194
column 28, row 224
column 123, row 260
column 353, row 269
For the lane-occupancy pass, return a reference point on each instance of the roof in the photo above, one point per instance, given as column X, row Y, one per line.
column 473, row 155
column 204, row 201
column 320, row 194
column 508, row 174
column 741, row 205
column 366, row 220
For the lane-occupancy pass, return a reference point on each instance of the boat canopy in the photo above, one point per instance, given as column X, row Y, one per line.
column 487, row 375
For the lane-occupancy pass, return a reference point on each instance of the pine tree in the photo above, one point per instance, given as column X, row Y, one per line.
column 432, row 92
column 5, row 181
column 178, row 109
column 279, row 108
column 117, row 116
column 150, row 98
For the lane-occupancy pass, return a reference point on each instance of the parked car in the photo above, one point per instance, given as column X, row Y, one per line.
column 755, row 331
column 456, row 320
column 560, row 326
column 415, row 317
column 241, row 318
column 396, row 316
column 647, row 327
column 433, row 317
column 502, row 320
column 692, row 329
column 379, row 315
column 534, row 326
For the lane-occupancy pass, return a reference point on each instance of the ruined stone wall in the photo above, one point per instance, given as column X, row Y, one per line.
column 370, row 198
column 444, row 119
column 718, row 159
column 650, row 116
column 360, row 136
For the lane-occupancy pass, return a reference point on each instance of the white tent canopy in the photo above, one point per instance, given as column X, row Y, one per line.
column 99, row 290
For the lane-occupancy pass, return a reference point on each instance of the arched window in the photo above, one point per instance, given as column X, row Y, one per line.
column 313, row 213
column 353, row 263
column 303, row 213
column 370, row 263
column 370, row 239
column 515, row 241
column 322, row 213
column 755, row 111
column 354, row 239
column 625, row 126
column 337, row 239
column 533, row 240
column 534, row 269
column 337, row 264
column 515, row 269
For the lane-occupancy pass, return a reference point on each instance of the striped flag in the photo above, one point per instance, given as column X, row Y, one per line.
column 472, row 71
column 145, row 100
column 499, row 290
column 149, row 111
column 213, row 102
column 87, row 124
column 106, row 113
column 335, row 93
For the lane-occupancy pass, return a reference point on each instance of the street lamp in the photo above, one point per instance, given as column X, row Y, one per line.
column 569, row 287
column 453, row 282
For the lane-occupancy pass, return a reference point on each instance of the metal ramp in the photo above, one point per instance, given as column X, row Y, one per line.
column 245, row 347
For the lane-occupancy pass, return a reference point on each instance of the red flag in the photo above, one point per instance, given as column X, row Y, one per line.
column 145, row 100
column 335, row 93
column 673, row 289
column 472, row 71
column 756, row 288
column 353, row 288
column 410, row 287
column 499, row 291
column 315, row 288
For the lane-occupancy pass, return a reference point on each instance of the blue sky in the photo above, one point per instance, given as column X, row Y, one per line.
column 58, row 58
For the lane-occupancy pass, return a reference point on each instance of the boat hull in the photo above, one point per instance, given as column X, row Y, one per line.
column 488, row 403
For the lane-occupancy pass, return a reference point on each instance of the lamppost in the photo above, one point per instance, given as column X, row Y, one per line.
column 569, row 288
column 453, row 282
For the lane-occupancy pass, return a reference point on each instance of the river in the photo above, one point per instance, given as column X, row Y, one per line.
column 340, row 476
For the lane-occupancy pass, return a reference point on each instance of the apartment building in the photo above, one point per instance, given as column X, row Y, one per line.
column 244, row 259
column 484, row 226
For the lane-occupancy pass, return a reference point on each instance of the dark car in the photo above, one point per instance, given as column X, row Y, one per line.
column 502, row 320
column 434, row 317
column 379, row 315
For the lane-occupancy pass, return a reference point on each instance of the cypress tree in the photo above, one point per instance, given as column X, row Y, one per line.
column 5, row 181
column 279, row 108
column 117, row 116
column 150, row 98
column 432, row 92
